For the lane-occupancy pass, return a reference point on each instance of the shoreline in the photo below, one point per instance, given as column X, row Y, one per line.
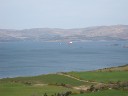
column 68, row 71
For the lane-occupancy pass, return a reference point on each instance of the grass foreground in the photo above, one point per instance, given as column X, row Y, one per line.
column 112, row 81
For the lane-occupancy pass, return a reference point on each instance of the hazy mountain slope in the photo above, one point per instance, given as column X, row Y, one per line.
column 115, row 32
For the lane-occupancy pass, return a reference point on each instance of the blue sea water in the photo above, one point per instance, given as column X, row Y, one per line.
column 29, row 58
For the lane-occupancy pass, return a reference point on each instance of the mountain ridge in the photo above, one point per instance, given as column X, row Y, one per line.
column 113, row 32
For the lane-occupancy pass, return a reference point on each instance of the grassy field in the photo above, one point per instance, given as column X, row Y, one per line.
column 105, row 93
column 37, row 85
column 22, row 90
column 101, row 76
column 104, row 75
column 63, row 82
column 51, row 79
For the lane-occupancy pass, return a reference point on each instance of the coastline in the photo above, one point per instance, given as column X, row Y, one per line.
column 106, row 68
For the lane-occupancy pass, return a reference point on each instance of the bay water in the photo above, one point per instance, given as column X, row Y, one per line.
column 30, row 58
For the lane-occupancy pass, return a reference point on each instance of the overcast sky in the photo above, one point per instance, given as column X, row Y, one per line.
column 22, row 14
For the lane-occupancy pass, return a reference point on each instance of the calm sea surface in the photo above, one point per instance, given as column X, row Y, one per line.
column 35, row 58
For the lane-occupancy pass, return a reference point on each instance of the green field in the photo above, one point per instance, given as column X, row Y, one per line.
column 76, row 82
column 101, row 76
column 51, row 79
column 37, row 85
column 22, row 90
column 105, row 93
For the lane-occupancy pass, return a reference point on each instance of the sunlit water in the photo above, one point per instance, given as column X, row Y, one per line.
column 35, row 58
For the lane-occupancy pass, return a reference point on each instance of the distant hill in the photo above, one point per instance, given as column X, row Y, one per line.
column 114, row 32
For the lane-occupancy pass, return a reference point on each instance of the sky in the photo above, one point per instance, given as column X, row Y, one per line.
column 24, row 14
